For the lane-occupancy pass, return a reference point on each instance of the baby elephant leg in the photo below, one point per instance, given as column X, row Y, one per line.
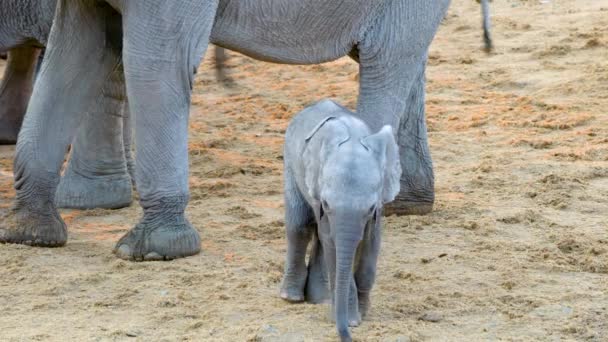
column 365, row 274
column 298, row 217
column 317, row 283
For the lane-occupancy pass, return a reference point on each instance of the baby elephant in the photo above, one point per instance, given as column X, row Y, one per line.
column 337, row 175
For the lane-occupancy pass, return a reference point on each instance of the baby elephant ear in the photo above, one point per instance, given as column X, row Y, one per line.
column 318, row 127
column 383, row 144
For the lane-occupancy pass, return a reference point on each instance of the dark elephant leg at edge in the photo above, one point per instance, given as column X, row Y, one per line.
column 15, row 91
column 54, row 114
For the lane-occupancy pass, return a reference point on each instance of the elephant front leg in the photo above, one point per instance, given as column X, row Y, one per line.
column 15, row 91
column 160, row 58
column 97, row 175
column 70, row 79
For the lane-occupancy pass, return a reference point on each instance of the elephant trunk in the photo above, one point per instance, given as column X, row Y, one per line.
column 346, row 246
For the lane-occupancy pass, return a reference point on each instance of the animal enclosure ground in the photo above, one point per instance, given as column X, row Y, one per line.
column 516, row 248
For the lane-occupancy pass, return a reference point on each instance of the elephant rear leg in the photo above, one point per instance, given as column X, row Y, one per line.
column 15, row 91
column 299, row 226
column 71, row 77
column 97, row 175
column 392, row 59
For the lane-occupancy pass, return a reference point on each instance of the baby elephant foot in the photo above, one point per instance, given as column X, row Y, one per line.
column 354, row 318
column 317, row 290
column 29, row 227
column 150, row 241
column 364, row 304
column 87, row 192
column 317, row 283
column 292, row 286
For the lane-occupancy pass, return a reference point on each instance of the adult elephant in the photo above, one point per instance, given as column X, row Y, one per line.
column 161, row 43
column 96, row 176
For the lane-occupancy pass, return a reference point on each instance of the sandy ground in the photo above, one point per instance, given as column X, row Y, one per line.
column 516, row 249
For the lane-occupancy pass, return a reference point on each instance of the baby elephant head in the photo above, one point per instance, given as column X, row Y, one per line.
column 354, row 178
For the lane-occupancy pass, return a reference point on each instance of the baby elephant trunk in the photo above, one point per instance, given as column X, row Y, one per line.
column 347, row 240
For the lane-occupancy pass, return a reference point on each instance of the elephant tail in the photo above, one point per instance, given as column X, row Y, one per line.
column 220, row 67
column 485, row 13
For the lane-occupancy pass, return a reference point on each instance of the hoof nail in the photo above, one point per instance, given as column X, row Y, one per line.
column 153, row 256
column 290, row 299
column 123, row 252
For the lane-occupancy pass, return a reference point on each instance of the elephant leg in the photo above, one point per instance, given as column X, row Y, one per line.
column 71, row 77
column 317, row 283
column 298, row 218
column 15, row 91
column 365, row 272
column 392, row 61
column 160, row 58
column 96, row 175
column 127, row 140
column 417, row 194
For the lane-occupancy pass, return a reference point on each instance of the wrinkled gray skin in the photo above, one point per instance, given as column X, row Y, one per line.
column 89, row 40
column 337, row 175
column 96, row 176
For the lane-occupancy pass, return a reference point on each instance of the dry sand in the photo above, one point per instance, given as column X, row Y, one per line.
column 516, row 248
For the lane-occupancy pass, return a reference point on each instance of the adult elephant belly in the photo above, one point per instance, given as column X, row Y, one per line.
column 292, row 32
column 390, row 39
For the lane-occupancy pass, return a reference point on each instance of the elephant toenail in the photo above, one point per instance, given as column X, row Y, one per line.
column 123, row 252
column 153, row 256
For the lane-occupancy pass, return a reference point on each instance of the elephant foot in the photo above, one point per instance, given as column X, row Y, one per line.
column 407, row 204
column 364, row 304
column 154, row 240
column 354, row 318
column 81, row 192
column 27, row 227
column 292, row 287
column 317, row 289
